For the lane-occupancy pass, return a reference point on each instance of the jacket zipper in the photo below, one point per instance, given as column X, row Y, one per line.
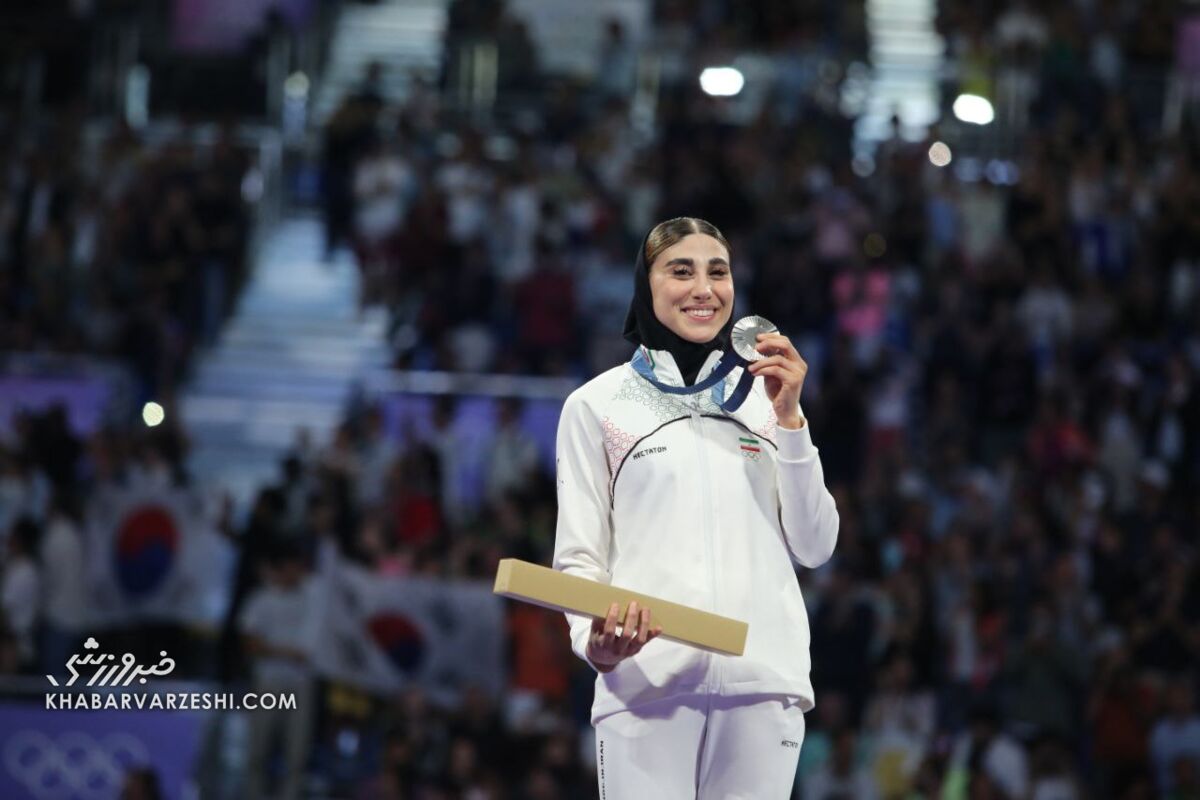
column 706, row 488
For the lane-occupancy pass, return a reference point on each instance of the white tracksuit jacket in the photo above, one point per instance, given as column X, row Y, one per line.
column 670, row 496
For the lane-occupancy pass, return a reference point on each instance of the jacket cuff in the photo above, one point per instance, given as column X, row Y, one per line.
column 796, row 445
column 580, row 647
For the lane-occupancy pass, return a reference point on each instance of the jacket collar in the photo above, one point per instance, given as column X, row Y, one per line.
column 662, row 363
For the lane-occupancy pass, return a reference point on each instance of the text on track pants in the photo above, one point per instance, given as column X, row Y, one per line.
column 701, row 747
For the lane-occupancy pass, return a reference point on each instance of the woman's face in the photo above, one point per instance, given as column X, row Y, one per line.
column 692, row 287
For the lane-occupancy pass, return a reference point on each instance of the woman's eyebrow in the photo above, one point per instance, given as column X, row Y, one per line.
column 689, row 262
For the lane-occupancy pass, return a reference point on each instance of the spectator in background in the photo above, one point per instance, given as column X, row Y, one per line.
column 1043, row 676
column 24, row 489
column 426, row 254
column 279, row 626
column 341, row 457
column 862, row 295
column 348, row 134
column 1119, row 711
column 20, row 589
column 512, row 458
column 467, row 183
column 900, row 721
column 64, row 588
column 395, row 771
column 56, row 449
column 294, row 488
column 259, row 536
column 455, row 315
column 1044, row 311
column 843, row 627
column 420, row 513
column 370, row 92
column 377, row 453
column 616, row 67
column 1175, row 740
column 222, row 233
column 842, row 416
column 449, row 447
column 518, row 217
column 986, row 753
column 518, row 66
column 382, row 182
column 1165, row 634
column 602, row 298
column 1051, row 774
column 546, row 333
column 842, row 777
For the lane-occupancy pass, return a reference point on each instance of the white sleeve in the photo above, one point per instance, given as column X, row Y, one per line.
column 807, row 510
column 584, row 533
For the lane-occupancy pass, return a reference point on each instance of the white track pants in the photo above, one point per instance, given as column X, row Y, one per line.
column 701, row 747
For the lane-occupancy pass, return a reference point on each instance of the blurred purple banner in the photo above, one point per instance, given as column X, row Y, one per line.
column 213, row 26
column 85, row 399
column 86, row 754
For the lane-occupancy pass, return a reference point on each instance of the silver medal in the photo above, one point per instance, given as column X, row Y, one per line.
column 745, row 336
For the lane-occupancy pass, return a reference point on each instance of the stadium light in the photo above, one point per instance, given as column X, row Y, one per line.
column 974, row 109
column 939, row 154
column 721, row 81
column 153, row 414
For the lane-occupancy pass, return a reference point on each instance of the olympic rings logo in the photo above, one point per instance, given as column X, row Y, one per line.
column 74, row 765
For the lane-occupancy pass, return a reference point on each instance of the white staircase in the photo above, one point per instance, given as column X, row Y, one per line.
column 402, row 35
column 287, row 360
column 568, row 36
column 907, row 55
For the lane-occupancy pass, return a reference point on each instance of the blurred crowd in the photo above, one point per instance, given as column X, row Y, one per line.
column 1004, row 383
column 117, row 248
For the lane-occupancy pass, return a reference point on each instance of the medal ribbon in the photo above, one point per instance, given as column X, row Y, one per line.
column 728, row 361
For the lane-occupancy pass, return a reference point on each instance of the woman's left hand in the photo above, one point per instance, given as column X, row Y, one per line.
column 783, row 372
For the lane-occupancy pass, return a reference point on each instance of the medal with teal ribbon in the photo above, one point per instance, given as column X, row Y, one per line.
column 744, row 338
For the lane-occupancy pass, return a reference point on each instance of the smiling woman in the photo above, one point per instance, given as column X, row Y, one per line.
column 692, row 289
column 733, row 496
column 683, row 267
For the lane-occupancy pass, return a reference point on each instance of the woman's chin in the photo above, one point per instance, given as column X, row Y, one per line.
column 698, row 335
